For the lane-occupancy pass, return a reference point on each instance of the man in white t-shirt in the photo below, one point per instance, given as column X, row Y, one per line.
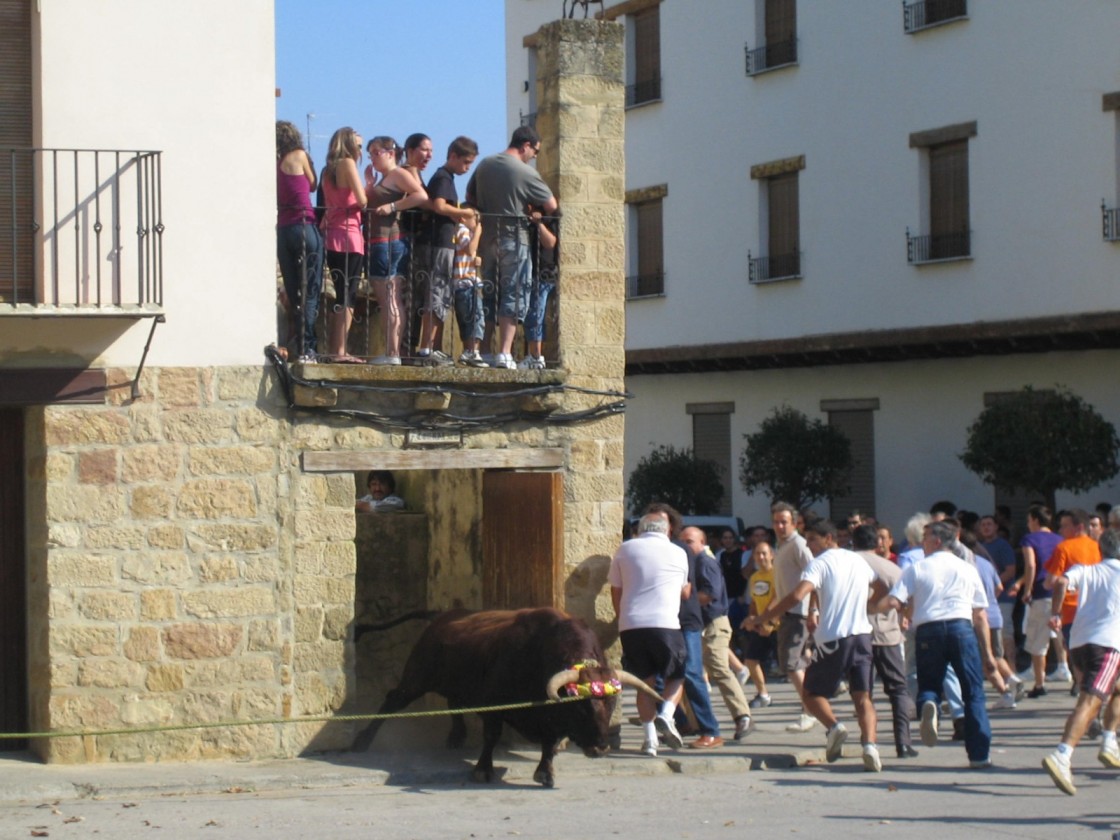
column 1094, row 650
column 951, row 621
column 649, row 577
column 842, row 634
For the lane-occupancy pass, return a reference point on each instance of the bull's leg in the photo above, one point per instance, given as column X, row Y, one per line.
column 491, row 732
column 395, row 700
column 544, row 769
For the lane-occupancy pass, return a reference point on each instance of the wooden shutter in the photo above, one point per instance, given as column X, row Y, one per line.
column 651, row 259
column 647, row 51
column 785, row 224
column 859, row 427
column 711, row 441
column 522, row 539
column 16, row 265
column 948, row 199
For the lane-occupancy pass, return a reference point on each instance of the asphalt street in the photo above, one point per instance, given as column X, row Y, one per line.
column 774, row 781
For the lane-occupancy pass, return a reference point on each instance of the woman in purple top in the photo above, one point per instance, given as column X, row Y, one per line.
column 299, row 245
column 1037, row 546
column 345, row 199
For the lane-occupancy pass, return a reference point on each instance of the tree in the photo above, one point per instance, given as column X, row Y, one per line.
column 1042, row 442
column 692, row 485
column 795, row 459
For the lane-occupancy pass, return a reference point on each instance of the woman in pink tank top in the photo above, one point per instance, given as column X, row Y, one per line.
column 345, row 199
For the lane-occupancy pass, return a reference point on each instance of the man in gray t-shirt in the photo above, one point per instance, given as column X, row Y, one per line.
column 503, row 187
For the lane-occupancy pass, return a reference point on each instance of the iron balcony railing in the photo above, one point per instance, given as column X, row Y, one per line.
column 767, row 269
column 923, row 14
column 770, row 56
column 1110, row 219
column 81, row 230
column 641, row 92
column 645, row 285
column 938, row 246
column 529, row 119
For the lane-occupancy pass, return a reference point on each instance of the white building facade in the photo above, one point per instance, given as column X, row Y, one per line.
column 882, row 214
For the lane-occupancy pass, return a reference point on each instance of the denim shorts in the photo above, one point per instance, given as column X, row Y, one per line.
column 507, row 267
column 383, row 259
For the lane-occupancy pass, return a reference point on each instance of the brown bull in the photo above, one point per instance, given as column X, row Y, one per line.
column 499, row 657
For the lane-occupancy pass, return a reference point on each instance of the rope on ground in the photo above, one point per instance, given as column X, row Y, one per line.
column 176, row 727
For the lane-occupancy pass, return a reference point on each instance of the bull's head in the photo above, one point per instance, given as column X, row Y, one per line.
column 590, row 721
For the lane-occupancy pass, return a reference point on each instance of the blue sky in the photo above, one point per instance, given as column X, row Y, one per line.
column 435, row 66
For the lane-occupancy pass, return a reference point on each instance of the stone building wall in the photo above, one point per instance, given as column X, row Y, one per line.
column 184, row 565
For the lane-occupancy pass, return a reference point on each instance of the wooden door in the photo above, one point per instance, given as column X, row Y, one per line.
column 522, row 539
column 13, row 578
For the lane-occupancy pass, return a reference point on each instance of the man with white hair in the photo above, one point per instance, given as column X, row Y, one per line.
column 950, row 616
column 649, row 577
column 1094, row 649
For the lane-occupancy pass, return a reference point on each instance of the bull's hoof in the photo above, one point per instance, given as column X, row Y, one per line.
column 482, row 775
column 544, row 777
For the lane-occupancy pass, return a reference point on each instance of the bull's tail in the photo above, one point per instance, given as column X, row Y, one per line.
column 421, row 615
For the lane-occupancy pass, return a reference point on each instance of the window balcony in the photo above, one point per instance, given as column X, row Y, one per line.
column 642, row 92
column 770, row 56
column 645, row 285
column 923, row 14
column 529, row 119
column 940, row 247
column 773, row 269
column 81, row 232
column 1110, row 220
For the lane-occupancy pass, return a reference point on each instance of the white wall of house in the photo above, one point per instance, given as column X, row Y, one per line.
column 925, row 408
column 197, row 82
column 1044, row 156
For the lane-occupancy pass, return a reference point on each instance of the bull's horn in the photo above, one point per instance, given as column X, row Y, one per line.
column 626, row 678
column 558, row 679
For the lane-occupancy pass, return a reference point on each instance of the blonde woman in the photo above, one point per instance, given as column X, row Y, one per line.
column 392, row 189
column 345, row 199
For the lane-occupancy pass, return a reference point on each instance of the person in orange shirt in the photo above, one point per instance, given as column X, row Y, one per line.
column 1076, row 548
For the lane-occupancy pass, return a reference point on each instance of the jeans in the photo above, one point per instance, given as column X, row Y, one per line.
column 538, row 304
column 299, row 250
column 469, row 313
column 943, row 643
column 695, row 687
column 952, row 689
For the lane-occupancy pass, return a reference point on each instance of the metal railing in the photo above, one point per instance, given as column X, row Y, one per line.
column 645, row 285
column 81, row 229
column 766, row 269
column 1110, row 220
column 639, row 93
column 923, row 14
column 528, row 119
column 939, row 246
column 770, row 56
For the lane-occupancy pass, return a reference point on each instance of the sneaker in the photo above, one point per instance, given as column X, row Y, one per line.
column 472, row 358
column 435, row 358
column 1020, row 689
column 489, row 358
column 929, row 723
column 531, row 363
column 1026, row 676
column 1060, row 674
column 385, row 360
column 1109, row 756
column 743, row 727
column 834, row 743
column 649, row 748
column 505, row 360
column 1036, row 692
column 760, row 701
column 980, row 764
column 668, row 732
column 743, row 677
column 804, row 724
column 308, row 359
column 871, row 761
column 1057, row 765
column 1005, row 701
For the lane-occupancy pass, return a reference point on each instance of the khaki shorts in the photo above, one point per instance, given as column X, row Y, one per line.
column 794, row 646
column 1038, row 628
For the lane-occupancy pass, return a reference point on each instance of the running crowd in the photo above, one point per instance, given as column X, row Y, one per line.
column 833, row 605
column 492, row 259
